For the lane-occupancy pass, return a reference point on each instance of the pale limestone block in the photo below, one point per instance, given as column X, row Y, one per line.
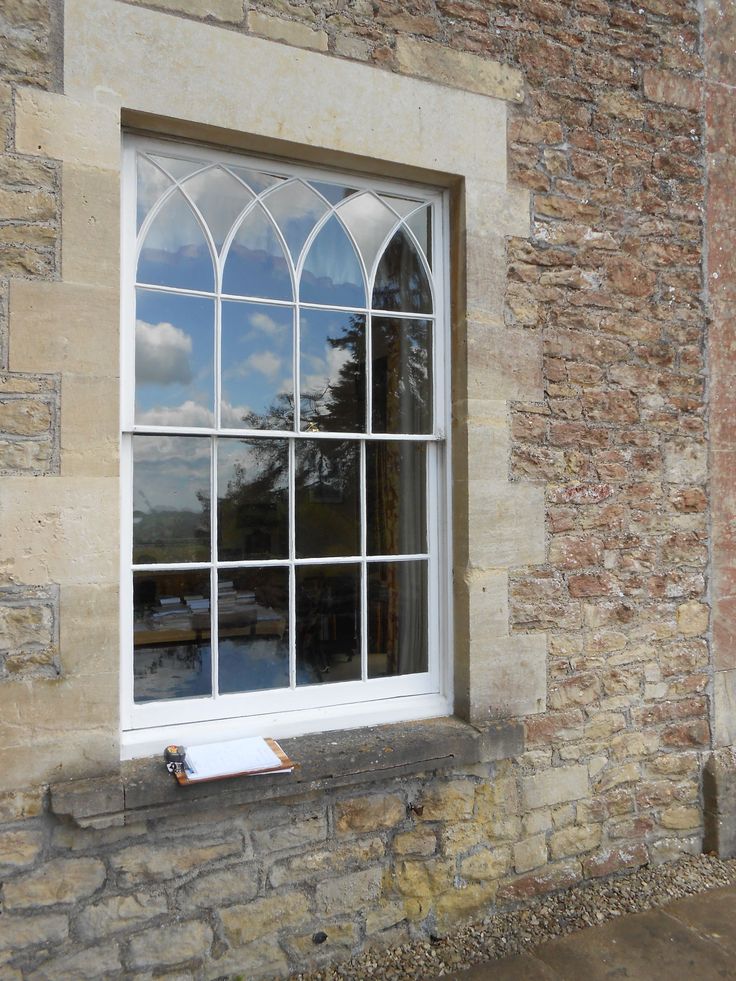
column 89, row 625
column 60, row 327
column 52, row 125
column 488, row 438
column 555, row 786
column 27, row 758
column 516, row 673
column 494, row 210
column 336, row 897
column 724, row 704
column 685, row 461
column 352, row 47
column 290, row 31
column 178, row 942
column 60, row 881
column 90, row 222
column 264, row 958
column 228, row 11
column 505, row 524
column 20, row 848
column 87, row 965
column 489, row 605
column 119, row 913
column 459, row 69
column 246, row 923
column 90, row 437
column 202, row 72
column 485, row 278
column 17, row 932
column 503, row 363
column 61, row 529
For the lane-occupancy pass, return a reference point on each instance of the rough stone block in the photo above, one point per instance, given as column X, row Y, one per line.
column 530, row 853
column 119, row 913
column 88, row 965
column 178, row 942
column 263, row 957
column 487, row 863
column 25, row 417
column 157, row 862
column 374, row 813
column 309, row 829
column 289, row 31
column 19, row 932
column 673, row 89
column 60, row 881
column 335, row 897
column 19, row 848
column 459, row 69
column 246, row 923
column 554, row 786
column 235, row 885
column 448, row 801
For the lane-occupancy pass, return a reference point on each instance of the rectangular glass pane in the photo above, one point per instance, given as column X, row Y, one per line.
column 327, row 624
column 327, row 482
column 332, row 371
column 402, row 375
column 396, row 496
column 174, row 359
column 257, row 366
column 397, row 618
column 171, row 635
column 252, row 499
column 171, row 499
column 253, row 629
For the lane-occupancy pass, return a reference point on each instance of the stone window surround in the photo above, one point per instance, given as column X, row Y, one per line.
column 442, row 134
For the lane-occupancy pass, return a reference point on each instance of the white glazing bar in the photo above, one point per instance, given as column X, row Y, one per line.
column 363, row 566
column 271, row 433
column 214, row 583
column 278, row 563
column 292, row 569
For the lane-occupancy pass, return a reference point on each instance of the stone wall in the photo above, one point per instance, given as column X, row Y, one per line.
column 605, row 305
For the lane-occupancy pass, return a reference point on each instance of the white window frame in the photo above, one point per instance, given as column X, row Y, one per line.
column 287, row 712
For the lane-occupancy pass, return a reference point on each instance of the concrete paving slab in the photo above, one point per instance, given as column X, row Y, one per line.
column 712, row 914
column 525, row 967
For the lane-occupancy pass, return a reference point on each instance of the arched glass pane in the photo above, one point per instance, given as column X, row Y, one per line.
column 401, row 282
column 296, row 209
column 257, row 366
column 151, row 184
column 334, row 193
column 220, row 198
column 369, row 221
column 178, row 168
column 331, row 274
column 174, row 359
column 256, row 180
column 332, row 371
column 402, row 206
column 402, row 375
column 175, row 251
column 256, row 264
column 421, row 225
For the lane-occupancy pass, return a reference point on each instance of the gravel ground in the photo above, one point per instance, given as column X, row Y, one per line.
column 513, row 931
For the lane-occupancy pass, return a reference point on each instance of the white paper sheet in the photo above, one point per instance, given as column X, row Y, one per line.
column 231, row 756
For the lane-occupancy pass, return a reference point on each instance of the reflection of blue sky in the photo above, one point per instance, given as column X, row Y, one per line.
column 257, row 344
column 256, row 264
column 175, row 250
column 296, row 209
column 220, row 197
column 241, row 458
column 169, row 471
column 174, row 359
column 369, row 222
column 332, row 273
column 320, row 363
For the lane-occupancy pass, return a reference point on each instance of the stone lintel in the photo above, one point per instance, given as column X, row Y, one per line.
column 143, row 789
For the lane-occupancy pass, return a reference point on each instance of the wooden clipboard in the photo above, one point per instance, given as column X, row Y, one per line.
column 184, row 780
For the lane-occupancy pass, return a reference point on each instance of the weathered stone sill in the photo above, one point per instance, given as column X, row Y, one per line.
column 143, row 789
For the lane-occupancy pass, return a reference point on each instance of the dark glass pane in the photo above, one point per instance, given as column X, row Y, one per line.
column 175, row 251
column 332, row 371
column 396, row 498
column 174, row 359
column 369, row 221
column 220, row 198
column 252, row 499
column 256, row 264
column 334, row 193
column 397, row 618
column 296, row 209
column 421, row 225
column 327, row 624
column 402, row 376
column 327, row 498
column 401, row 282
column 171, row 499
column 257, row 366
column 331, row 274
column 253, row 629
column 171, row 635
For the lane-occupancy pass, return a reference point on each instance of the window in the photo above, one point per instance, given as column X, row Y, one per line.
column 284, row 482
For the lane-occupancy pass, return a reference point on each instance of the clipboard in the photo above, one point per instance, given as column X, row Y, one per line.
column 286, row 765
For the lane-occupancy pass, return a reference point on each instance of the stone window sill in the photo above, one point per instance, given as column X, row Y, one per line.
column 142, row 789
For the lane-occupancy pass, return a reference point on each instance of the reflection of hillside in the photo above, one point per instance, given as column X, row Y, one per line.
column 161, row 535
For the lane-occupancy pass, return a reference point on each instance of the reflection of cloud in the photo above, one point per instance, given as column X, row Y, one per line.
column 233, row 415
column 189, row 413
column 162, row 354
column 326, row 371
column 264, row 362
column 265, row 324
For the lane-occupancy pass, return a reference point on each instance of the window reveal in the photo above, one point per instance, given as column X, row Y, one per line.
column 285, row 437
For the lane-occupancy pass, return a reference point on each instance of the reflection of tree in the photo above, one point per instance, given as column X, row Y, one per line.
column 402, row 366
